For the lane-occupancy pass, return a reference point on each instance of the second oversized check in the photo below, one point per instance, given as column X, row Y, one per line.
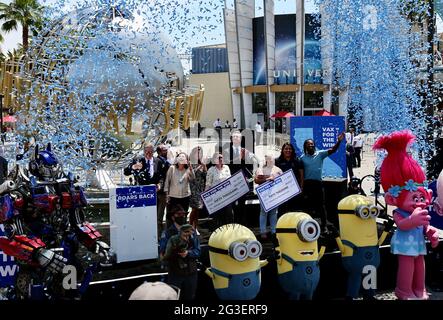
column 225, row 193
column 273, row 193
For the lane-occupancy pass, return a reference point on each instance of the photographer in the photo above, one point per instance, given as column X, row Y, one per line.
column 181, row 253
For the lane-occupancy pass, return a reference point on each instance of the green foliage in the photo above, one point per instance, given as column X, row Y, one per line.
column 27, row 13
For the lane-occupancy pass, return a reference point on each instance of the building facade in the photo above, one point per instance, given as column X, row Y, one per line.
column 276, row 63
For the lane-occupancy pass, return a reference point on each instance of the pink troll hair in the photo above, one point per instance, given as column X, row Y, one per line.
column 398, row 167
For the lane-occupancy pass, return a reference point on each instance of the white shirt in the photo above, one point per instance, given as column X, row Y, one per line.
column 258, row 128
column 349, row 138
column 217, row 123
column 358, row 142
column 215, row 176
column 234, row 124
column 236, row 153
column 269, row 171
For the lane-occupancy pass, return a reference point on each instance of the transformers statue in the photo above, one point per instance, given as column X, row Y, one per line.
column 42, row 210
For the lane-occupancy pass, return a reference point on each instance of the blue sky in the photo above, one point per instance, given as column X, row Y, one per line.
column 205, row 37
column 194, row 31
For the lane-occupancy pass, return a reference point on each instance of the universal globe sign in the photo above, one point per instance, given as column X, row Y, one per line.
column 97, row 79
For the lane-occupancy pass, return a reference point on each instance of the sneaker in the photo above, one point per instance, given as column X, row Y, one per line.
column 197, row 232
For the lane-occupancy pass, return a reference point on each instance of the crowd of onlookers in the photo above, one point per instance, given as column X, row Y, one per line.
column 181, row 180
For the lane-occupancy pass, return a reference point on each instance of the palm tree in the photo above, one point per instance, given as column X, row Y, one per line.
column 25, row 12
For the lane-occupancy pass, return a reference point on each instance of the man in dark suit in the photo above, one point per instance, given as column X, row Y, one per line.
column 162, row 155
column 146, row 170
column 3, row 169
column 239, row 158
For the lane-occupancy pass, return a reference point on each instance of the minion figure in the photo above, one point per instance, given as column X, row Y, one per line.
column 298, row 261
column 358, row 240
column 235, row 270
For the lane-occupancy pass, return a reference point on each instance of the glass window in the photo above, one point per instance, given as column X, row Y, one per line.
column 259, row 104
column 285, row 101
column 313, row 100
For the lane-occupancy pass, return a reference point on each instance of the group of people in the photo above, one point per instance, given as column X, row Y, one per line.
column 308, row 172
column 218, row 124
column 180, row 184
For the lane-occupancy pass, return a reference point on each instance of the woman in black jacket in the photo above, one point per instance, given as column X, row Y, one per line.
column 288, row 160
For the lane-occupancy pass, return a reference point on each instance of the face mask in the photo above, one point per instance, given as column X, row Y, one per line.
column 180, row 220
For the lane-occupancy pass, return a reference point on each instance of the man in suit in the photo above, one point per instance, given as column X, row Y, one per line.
column 146, row 170
column 162, row 155
column 238, row 158
column 3, row 167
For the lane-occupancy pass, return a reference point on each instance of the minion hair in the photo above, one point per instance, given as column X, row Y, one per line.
column 226, row 227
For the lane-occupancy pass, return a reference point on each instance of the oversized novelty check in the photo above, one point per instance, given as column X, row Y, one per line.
column 225, row 193
column 273, row 193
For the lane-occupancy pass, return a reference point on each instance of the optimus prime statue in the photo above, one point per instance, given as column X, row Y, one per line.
column 42, row 210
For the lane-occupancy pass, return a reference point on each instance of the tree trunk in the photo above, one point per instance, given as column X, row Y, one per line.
column 25, row 37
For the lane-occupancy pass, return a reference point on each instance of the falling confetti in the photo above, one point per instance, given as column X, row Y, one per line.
column 96, row 63
column 377, row 55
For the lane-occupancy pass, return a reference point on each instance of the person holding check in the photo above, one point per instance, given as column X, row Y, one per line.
column 216, row 174
column 263, row 174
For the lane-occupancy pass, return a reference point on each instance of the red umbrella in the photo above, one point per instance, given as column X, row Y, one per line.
column 283, row 114
column 324, row 113
column 9, row 119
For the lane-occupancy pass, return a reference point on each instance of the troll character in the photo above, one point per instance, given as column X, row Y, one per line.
column 405, row 187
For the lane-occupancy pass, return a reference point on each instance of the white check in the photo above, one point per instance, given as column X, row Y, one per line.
column 225, row 192
column 273, row 193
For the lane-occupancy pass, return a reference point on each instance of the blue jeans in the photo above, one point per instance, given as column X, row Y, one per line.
column 272, row 220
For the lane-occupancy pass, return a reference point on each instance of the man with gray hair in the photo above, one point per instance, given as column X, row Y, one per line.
column 147, row 169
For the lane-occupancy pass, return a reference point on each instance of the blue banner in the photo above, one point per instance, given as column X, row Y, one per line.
column 324, row 131
column 135, row 197
column 285, row 50
column 8, row 267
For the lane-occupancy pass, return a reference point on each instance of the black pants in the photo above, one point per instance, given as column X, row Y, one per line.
column 222, row 217
column 314, row 192
column 186, row 283
column 239, row 208
column 357, row 156
column 295, row 204
column 350, row 164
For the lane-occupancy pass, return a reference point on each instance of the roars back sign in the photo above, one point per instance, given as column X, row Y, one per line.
column 324, row 131
column 8, row 266
column 133, row 215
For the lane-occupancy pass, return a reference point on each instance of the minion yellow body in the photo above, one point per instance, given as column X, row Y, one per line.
column 358, row 241
column 234, row 254
column 297, row 266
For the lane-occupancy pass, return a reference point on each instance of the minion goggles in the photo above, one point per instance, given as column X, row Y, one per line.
column 308, row 230
column 364, row 212
column 240, row 251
